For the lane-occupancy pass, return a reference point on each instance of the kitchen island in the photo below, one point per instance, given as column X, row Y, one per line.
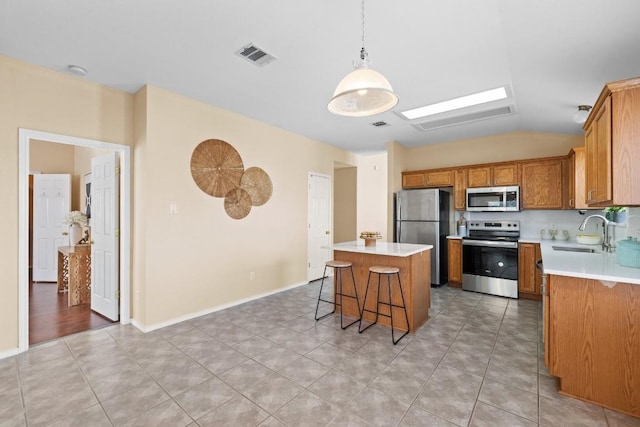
column 592, row 326
column 414, row 262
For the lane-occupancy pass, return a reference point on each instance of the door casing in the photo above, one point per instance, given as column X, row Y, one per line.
column 24, row 137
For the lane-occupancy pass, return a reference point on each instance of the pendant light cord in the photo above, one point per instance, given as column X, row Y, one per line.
column 363, row 52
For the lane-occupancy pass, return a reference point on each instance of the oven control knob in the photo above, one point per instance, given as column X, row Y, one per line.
column 500, row 264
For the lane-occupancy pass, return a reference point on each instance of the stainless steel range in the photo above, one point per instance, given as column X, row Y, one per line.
column 490, row 258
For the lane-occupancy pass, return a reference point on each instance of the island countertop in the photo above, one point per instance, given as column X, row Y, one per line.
column 598, row 265
column 381, row 248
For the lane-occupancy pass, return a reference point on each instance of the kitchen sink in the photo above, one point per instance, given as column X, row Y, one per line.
column 573, row 249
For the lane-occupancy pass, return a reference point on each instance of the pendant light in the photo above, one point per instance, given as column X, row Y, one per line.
column 581, row 115
column 363, row 92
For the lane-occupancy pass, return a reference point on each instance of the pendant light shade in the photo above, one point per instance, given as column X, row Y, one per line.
column 363, row 92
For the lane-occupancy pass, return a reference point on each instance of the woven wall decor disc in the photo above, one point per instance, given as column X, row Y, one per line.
column 216, row 167
column 257, row 183
column 237, row 203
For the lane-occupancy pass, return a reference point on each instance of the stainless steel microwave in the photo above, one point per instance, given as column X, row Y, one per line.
column 493, row 199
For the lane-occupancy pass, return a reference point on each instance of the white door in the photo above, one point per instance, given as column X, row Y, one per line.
column 319, row 225
column 51, row 203
column 104, row 234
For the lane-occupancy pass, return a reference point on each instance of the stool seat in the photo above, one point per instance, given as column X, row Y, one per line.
column 338, row 292
column 338, row 264
column 384, row 269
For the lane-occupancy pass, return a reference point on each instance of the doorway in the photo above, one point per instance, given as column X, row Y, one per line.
column 25, row 138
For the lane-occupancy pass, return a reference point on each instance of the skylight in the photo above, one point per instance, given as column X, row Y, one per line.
column 456, row 103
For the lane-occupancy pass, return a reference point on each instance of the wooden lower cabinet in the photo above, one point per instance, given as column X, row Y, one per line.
column 529, row 277
column 594, row 341
column 415, row 275
column 455, row 263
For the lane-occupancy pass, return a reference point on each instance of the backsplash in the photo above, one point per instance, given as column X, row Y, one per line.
column 532, row 221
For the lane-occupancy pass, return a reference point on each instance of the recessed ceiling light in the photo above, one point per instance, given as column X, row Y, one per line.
column 456, row 103
column 77, row 70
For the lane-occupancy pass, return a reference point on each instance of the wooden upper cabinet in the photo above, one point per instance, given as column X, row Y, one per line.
column 439, row 178
column 413, row 179
column 576, row 181
column 479, row 177
column 428, row 178
column 598, row 146
column 612, row 132
column 542, row 184
column 494, row 175
column 506, row 174
column 460, row 189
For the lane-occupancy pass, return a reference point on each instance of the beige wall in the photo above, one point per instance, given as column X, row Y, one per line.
column 345, row 213
column 47, row 157
column 372, row 195
column 496, row 148
column 201, row 258
column 39, row 99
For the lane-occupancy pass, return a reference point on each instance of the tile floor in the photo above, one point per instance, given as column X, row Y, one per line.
column 476, row 362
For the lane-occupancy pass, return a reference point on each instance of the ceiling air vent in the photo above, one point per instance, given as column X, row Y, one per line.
column 255, row 55
column 465, row 118
column 379, row 124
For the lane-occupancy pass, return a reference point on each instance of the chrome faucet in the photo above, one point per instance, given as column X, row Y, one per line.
column 606, row 238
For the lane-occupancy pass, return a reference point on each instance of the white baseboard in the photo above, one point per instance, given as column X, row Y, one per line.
column 9, row 353
column 153, row 327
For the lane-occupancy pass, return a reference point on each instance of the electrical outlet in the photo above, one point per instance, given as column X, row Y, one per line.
column 252, row 275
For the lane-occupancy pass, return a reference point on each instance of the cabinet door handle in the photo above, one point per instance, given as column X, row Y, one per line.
column 589, row 199
column 571, row 202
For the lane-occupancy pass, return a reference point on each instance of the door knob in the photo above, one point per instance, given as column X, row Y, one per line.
column 327, row 232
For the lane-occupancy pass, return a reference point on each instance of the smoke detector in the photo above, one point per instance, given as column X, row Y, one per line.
column 77, row 70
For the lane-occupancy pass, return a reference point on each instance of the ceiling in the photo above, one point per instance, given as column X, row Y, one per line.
column 553, row 55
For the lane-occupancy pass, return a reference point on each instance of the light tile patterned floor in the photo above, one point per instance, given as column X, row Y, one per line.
column 476, row 362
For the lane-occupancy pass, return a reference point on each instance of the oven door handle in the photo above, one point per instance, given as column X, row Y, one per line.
column 491, row 243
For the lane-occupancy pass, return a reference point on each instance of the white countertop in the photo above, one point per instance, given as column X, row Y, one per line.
column 381, row 248
column 598, row 265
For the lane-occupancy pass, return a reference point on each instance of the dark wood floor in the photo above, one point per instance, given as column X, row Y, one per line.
column 50, row 316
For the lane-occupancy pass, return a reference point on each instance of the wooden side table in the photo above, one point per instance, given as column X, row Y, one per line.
column 74, row 273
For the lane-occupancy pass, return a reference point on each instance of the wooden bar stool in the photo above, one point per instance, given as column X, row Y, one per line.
column 387, row 271
column 338, row 266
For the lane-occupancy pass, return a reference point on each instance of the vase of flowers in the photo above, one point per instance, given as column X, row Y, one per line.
column 76, row 220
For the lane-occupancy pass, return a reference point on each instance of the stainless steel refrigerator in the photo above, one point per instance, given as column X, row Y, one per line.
column 422, row 216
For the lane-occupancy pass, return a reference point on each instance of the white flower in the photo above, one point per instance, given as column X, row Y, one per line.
column 75, row 217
